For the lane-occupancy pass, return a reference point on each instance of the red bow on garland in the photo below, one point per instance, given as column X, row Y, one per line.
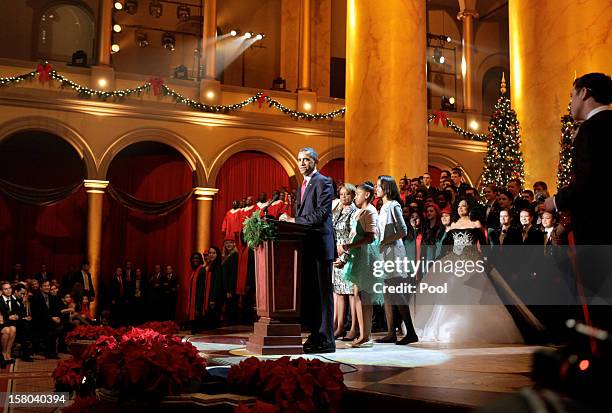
column 261, row 100
column 440, row 117
column 156, row 83
column 44, row 72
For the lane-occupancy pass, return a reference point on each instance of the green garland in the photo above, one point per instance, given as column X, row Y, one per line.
column 159, row 87
column 257, row 230
column 449, row 123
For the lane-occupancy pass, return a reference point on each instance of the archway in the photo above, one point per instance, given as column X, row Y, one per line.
column 490, row 89
column 42, row 206
column 243, row 174
column 150, row 172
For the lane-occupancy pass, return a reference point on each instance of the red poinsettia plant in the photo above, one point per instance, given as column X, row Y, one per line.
column 145, row 363
column 289, row 386
column 139, row 364
column 162, row 327
column 89, row 333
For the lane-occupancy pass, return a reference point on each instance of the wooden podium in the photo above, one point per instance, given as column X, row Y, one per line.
column 278, row 266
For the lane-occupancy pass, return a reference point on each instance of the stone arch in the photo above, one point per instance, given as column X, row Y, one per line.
column 59, row 129
column 336, row 152
column 446, row 162
column 488, row 63
column 164, row 136
column 283, row 155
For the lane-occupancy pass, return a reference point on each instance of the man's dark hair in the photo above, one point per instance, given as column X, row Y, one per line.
column 19, row 287
column 528, row 192
column 458, row 171
column 598, row 86
column 84, row 262
column 445, row 171
column 507, row 193
column 492, row 187
column 518, row 182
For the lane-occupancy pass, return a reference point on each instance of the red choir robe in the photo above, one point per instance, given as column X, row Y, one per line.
column 232, row 224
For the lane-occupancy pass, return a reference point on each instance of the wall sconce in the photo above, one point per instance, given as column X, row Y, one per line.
column 183, row 12
column 131, row 6
column 142, row 39
column 168, row 41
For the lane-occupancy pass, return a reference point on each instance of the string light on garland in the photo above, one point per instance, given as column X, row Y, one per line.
column 440, row 117
column 504, row 158
column 4, row 81
column 565, row 167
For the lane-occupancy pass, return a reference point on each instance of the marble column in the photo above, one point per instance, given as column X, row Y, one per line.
column 304, row 80
column 386, row 90
column 549, row 42
column 204, row 198
column 467, row 15
column 105, row 23
column 209, row 38
column 95, row 197
column 289, row 41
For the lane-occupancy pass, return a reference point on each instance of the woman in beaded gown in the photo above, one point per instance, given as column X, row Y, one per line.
column 342, row 288
column 470, row 309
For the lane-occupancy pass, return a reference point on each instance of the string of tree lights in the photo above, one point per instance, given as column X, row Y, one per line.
column 440, row 117
column 504, row 158
column 564, row 169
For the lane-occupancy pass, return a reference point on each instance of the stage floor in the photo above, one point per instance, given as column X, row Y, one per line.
column 465, row 376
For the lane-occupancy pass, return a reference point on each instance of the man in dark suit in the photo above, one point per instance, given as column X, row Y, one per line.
column 457, row 179
column 24, row 324
column 84, row 278
column 10, row 316
column 591, row 96
column 46, row 319
column 313, row 207
column 491, row 207
column 43, row 274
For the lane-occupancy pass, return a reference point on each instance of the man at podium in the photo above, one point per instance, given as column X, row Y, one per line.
column 314, row 208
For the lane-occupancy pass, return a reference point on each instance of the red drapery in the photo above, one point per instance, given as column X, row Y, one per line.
column 150, row 172
column 32, row 235
column 435, row 175
column 334, row 169
column 243, row 174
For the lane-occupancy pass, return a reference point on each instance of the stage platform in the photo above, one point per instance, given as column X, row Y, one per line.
column 428, row 377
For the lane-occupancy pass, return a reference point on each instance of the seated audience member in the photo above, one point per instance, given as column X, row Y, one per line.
column 46, row 319
column 43, row 275
column 9, row 316
column 17, row 273
column 24, row 324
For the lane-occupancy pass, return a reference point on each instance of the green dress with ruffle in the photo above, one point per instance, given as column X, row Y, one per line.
column 359, row 268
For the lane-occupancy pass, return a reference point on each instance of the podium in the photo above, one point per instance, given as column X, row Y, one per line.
column 278, row 266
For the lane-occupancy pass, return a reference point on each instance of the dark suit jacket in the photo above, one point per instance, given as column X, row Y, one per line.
column 78, row 278
column 492, row 220
column 513, row 236
column 534, row 236
column 316, row 210
column 4, row 309
column 116, row 294
column 591, row 157
column 41, row 314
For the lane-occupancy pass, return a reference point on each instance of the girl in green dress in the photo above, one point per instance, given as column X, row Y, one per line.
column 362, row 252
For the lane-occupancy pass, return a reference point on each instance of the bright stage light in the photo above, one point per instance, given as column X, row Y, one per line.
column 115, row 48
column 233, row 32
column 117, row 28
column 259, row 37
column 248, row 35
column 118, row 5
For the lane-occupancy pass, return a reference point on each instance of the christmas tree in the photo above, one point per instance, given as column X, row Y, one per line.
column 564, row 170
column 504, row 159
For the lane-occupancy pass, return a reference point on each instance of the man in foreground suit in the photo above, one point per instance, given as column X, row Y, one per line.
column 591, row 97
column 314, row 205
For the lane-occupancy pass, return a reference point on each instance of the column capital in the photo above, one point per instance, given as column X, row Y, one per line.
column 463, row 14
column 205, row 194
column 94, row 186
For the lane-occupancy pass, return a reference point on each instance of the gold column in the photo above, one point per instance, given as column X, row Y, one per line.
column 95, row 197
column 549, row 42
column 209, row 38
column 467, row 14
column 105, row 23
column 204, row 198
column 304, row 81
column 386, row 90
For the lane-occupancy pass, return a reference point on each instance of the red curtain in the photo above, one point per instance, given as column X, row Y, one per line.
column 32, row 235
column 435, row 175
column 151, row 172
column 243, row 174
column 334, row 169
